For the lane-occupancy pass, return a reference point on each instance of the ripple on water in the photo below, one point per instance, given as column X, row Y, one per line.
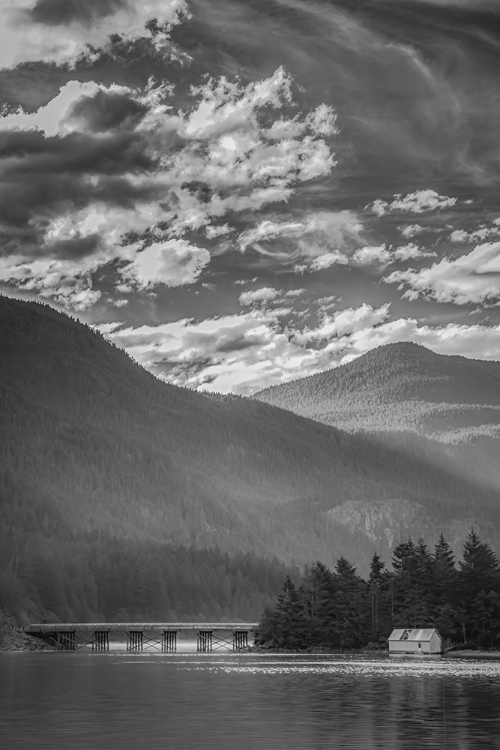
column 125, row 701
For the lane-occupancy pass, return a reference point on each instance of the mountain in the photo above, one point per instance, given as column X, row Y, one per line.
column 400, row 386
column 123, row 496
column 403, row 394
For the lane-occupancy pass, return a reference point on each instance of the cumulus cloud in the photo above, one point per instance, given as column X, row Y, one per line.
column 61, row 281
column 61, row 31
column 345, row 322
column 264, row 294
column 411, row 230
column 246, row 352
column 172, row 263
column 412, row 251
column 124, row 170
column 470, row 278
column 420, row 202
column 479, row 235
column 371, row 255
column 229, row 353
column 368, row 255
column 323, row 261
column 382, row 255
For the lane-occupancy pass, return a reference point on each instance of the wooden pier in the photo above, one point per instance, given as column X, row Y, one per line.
column 151, row 636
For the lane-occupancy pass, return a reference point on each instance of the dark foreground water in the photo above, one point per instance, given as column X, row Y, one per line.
column 230, row 702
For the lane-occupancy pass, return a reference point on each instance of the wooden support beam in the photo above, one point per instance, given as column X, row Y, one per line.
column 135, row 640
column 65, row 640
column 169, row 644
column 101, row 640
column 240, row 640
column 205, row 641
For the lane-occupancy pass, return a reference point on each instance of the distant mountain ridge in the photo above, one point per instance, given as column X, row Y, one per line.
column 401, row 386
column 99, row 456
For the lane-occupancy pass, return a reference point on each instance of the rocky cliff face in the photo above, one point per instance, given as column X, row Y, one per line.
column 386, row 522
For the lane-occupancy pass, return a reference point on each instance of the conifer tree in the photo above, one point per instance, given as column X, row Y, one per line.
column 378, row 599
column 478, row 585
column 444, row 590
column 479, row 570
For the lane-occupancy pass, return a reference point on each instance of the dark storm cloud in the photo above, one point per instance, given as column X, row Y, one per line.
column 199, row 189
column 75, row 248
column 107, row 110
column 32, row 152
column 63, row 12
column 24, row 197
column 40, row 174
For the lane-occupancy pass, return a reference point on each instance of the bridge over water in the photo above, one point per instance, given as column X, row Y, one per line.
column 144, row 636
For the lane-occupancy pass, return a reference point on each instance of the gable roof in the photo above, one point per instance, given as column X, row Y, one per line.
column 416, row 634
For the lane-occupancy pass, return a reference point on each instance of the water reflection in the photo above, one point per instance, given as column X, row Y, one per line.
column 187, row 701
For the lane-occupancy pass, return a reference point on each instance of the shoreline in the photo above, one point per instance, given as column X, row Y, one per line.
column 470, row 654
column 13, row 638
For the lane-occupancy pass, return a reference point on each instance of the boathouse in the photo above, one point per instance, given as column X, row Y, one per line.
column 416, row 641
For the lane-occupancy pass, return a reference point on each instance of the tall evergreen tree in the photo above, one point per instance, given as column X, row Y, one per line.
column 445, row 616
column 377, row 594
column 347, row 606
column 479, row 576
column 479, row 570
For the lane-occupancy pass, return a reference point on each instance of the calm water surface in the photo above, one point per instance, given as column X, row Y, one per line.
column 187, row 701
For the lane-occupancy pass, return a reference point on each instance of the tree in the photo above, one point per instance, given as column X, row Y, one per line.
column 346, row 610
column 445, row 616
column 479, row 574
column 377, row 587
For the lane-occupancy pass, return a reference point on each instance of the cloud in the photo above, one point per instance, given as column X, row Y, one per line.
column 306, row 241
column 371, row 255
column 50, row 118
column 228, row 353
column 172, row 263
column 420, row 202
column 411, row 230
column 475, row 341
column 338, row 226
column 61, row 281
column 126, row 167
column 345, row 322
column 264, row 294
column 411, row 251
column 383, row 255
column 470, row 278
column 62, row 31
column 478, row 235
column 322, row 262
column 368, row 255
column 246, row 352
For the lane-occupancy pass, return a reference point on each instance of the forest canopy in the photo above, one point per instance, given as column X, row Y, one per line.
column 340, row 610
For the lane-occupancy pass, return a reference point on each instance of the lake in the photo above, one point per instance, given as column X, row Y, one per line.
column 186, row 701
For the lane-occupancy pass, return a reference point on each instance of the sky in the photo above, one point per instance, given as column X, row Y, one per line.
column 244, row 192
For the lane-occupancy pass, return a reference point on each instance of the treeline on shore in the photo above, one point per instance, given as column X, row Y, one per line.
column 94, row 577
column 340, row 610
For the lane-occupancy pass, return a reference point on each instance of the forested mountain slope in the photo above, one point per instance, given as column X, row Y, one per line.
column 108, row 476
column 400, row 386
column 401, row 391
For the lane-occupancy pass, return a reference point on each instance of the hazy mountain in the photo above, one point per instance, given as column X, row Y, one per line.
column 102, row 465
column 400, row 391
column 400, row 387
